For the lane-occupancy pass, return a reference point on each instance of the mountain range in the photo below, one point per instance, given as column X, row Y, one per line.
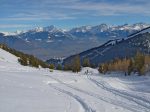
column 51, row 42
column 117, row 48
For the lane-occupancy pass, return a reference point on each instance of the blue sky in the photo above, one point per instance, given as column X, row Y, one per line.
column 27, row 14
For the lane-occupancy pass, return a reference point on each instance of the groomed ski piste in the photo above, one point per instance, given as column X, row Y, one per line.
column 28, row 89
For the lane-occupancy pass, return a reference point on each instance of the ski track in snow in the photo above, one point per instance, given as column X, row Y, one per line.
column 134, row 108
column 84, row 105
column 143, row 103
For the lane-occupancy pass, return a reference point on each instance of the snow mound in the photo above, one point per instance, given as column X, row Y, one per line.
column 7, row 57
column 89, row 71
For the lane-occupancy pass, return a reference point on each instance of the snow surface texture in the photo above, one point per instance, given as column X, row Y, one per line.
column 26, row 89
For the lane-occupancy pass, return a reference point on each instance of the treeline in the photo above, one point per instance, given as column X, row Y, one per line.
column 140, row 64
column 30, row 60
column 75, row 65
column 25, row 59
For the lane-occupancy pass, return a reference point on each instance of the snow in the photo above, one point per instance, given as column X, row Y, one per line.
column 27, row 89
column 49, row 37
column 142, row 32
column 12, row 33
column 7, row 57
column 137, row 27
column 27, row 40
column 48, row 41
column 9, row 33
column 38, row 29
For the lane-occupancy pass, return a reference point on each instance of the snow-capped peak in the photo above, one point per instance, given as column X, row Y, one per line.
column 10, row 33
column 50, row 28
column 105, row 27
column 85, row 29
column 100, row 28
column 38, row 29
column 82, row 29
column 137, row 26
column 5, row 33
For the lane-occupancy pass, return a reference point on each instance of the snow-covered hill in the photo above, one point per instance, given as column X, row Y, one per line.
column 7, row 57
column 26, row 89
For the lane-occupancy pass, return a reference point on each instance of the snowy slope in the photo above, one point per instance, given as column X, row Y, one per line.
column 26, row 89
column 7, row 57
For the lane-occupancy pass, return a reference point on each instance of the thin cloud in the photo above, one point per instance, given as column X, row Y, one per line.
column 38, row 16
column 111, row 9
column 64, row 9
column 14, row 26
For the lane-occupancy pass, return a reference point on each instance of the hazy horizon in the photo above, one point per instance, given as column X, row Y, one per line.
column 65, row 28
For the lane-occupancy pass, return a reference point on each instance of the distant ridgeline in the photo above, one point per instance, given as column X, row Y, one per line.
column 25, row 59
column 114, row 49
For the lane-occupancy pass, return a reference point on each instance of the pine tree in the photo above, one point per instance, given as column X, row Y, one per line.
column 86, row 62
column 51, row 66
column 130, row 67
column 67, row 67
column 59, row 67
column 23, row 61
column 103, row 68
column 142, row 71
column 147, row 63
column 139, row 62
column 100, row 69
column 76, row 66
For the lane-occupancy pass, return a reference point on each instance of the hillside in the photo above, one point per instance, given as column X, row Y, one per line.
column 7, row 57
column 23, row 59
column 118, row 48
